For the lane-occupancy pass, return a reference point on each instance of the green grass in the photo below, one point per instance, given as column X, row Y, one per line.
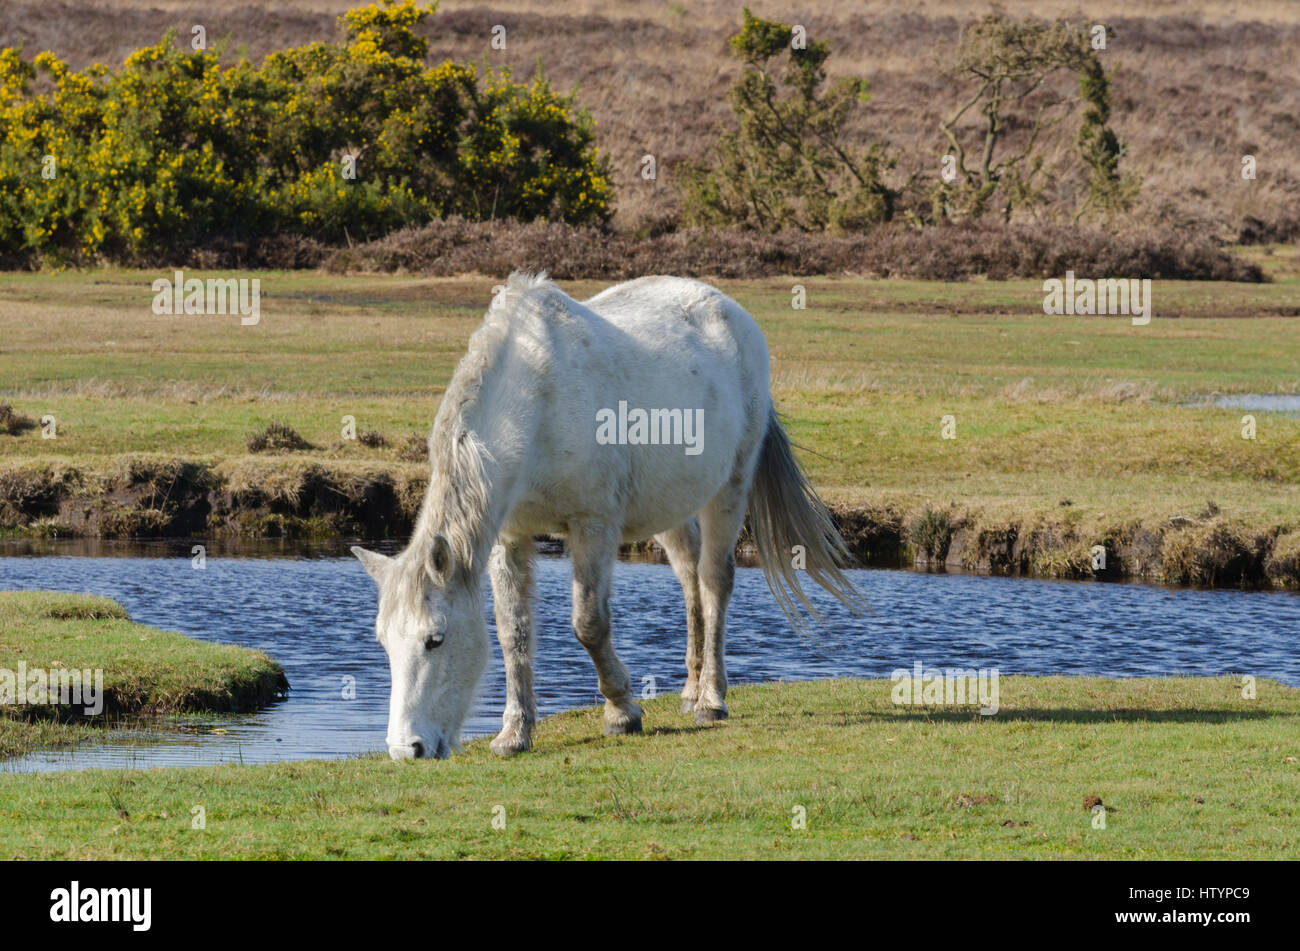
column 145, row 670
column 1047, row 408
column 1185, row 767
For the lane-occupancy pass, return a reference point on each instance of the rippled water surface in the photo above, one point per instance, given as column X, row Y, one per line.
column 315, row 614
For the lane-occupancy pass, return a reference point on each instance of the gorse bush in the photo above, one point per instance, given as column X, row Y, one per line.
column 334, row 141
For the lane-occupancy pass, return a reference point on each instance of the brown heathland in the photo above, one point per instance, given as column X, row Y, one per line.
column 1197, row 84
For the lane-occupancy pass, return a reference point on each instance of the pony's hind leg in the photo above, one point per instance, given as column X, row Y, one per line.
column 594, row 546
column 511, row 568
column 682, row 545
column 720, row 523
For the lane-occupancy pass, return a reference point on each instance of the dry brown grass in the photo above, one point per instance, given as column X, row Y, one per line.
column 277, row 437
column 1284, row 561
column 1218, row 552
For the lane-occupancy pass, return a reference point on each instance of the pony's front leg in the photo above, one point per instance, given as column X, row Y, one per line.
column 594, row 547
column 511, row 570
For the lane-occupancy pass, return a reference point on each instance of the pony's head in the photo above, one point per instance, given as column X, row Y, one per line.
column 430, row 622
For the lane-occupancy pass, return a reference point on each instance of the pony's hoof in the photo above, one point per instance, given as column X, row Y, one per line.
column 508, row 744
column 622, row 729
column 710, row 714
column 688, row 706
column 623, row 722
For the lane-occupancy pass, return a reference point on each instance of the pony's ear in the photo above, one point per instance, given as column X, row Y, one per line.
column 373, row 561
column 439, row 563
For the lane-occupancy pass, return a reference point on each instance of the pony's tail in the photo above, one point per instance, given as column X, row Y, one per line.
column 793, row 532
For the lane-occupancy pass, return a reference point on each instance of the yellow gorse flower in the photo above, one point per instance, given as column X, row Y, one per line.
column 359, row 138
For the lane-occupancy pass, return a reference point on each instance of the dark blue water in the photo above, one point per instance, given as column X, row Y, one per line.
column 315, row 616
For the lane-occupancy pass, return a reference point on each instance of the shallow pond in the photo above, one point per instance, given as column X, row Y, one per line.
column 1288, row 404
column 312, row 609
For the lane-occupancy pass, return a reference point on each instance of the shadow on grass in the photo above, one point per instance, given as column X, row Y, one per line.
column 1039, row 715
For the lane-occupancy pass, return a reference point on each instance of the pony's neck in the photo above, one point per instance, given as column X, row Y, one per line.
column 458, row 504
column 474, row 460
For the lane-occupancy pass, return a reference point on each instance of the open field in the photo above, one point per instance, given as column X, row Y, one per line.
column 1074, row 424
column 1185, row 768
column 144, row 670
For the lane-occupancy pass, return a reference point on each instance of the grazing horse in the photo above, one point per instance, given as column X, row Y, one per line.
column 644, row 411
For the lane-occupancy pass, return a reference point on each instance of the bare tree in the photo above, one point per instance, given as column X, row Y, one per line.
column 1012, row 69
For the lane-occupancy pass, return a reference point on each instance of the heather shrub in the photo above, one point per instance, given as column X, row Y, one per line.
column 947, row 253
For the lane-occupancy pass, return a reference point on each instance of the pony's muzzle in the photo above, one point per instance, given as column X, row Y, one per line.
column 418, row 749
column 413, row 750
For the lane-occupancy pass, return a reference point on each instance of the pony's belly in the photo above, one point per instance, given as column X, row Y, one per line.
column 659, row 512
column 660, row 502
column 536, row 517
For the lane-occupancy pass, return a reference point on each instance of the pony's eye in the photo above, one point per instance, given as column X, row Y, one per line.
column 432, row 641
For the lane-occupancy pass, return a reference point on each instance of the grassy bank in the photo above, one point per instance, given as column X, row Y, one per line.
column 145, row 670
column 1070, row 431
column 1185, row 768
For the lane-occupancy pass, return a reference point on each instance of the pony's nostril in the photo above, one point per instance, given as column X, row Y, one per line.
column 419, row 749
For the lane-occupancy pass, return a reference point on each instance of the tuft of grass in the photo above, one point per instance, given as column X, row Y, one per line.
column 29, row 493
column 931, row 534
column 1284, row 559
column 277, row 437
column 1211, row 553
column 414, row 448
column 372, row 439
column 13, row 423
column 121, row 521
column 1186, row 767
column 77, row 607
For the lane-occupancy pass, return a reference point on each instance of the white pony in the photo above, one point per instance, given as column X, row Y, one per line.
column 644, row 411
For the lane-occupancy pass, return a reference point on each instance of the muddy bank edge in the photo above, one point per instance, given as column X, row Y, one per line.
column 144, row 497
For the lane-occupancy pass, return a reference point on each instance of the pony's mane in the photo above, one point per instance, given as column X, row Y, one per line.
column 460, row 482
